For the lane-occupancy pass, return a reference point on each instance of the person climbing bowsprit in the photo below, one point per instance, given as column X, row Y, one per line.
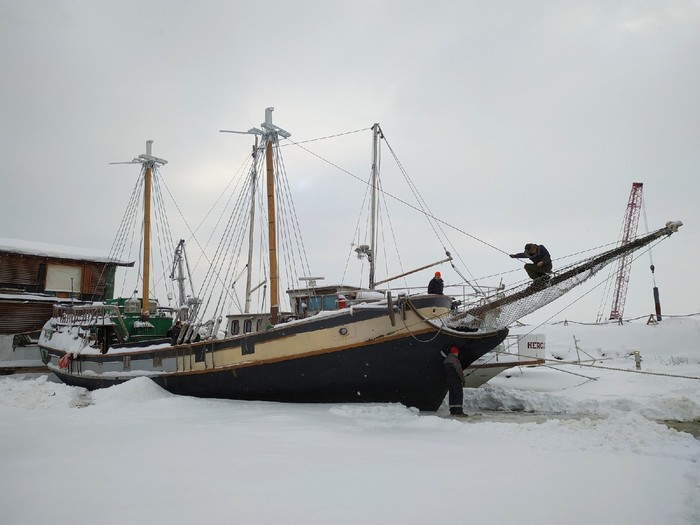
column 541, row 264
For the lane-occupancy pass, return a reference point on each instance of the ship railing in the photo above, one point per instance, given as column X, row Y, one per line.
column 89, row 316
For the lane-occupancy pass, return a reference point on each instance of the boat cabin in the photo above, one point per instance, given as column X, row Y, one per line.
column 305, row 303
column 310, row 301
column 237, row 324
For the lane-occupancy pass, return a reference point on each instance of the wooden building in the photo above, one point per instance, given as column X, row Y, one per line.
column 34, row 277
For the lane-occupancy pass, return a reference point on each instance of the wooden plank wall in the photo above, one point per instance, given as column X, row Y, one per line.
column 18, row 270
column 18, row 317
column 28, row 273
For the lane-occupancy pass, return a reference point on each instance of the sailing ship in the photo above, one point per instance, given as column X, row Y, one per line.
column 335, row 344
column 386, row 350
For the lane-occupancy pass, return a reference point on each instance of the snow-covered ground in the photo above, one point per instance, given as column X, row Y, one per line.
column 588, row 448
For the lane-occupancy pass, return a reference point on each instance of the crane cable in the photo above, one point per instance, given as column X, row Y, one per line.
column 651, row 259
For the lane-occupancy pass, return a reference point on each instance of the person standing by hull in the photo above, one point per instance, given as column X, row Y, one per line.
column 455, row 381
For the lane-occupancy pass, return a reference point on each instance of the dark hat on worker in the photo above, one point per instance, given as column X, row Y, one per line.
column 528, row 246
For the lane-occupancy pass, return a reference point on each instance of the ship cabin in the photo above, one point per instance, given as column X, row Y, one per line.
column 305, row 302
column 310, row 301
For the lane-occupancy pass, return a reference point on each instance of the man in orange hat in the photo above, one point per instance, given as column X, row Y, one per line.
column 455, row 381
column 436, row 284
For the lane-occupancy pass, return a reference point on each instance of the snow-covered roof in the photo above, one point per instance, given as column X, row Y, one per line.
column 29, row 297
column 57, row 251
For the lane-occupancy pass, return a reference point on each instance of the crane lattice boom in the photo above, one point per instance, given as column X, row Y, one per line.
column 629, row 232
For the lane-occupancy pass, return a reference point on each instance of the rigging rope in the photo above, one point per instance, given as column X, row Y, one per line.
column 292, row 143
column 505, row 308
column 646, row 227
column 288, row 209
column 166, row 243
column 442, row 236
column 415, row 208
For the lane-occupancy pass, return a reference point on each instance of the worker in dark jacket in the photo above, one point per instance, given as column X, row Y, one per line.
column 541, row 263
column 455, row 381
column 436, row 284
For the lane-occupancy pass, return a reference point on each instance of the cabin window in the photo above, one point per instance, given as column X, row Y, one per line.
column 61, row 278
column 258, row 325
column 248, row 326
column 314, row 304
column 329, row 302
column 132, row 306
column 235, row 327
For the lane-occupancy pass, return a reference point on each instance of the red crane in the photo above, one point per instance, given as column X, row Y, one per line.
column 629, row 232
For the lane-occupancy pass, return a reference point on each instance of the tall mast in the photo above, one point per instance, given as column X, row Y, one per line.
column 272, row 234
column 146, row 233
column 149, row 164
column 270, row 135
column 376, row 132
column 251, row 232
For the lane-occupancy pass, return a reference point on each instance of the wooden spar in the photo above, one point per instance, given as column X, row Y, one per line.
column 149, row 163
column 272, row 233
column 146, row 233
column 595, row 263
column 270, row 134
column 448, row 259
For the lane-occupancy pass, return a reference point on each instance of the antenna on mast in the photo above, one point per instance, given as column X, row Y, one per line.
column 271, row 129
column 146, row 159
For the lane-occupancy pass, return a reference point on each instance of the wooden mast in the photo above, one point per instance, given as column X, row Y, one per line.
column 272, row 234
column 271, row 136
column 146, row 233
column 149, row 163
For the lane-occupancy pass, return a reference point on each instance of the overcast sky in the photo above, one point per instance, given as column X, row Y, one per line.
column 518, row 121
